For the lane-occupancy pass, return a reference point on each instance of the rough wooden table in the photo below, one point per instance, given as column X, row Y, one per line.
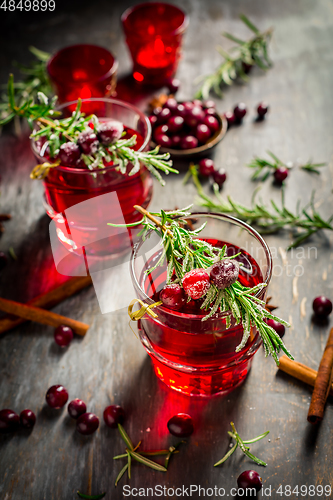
column 109, row 366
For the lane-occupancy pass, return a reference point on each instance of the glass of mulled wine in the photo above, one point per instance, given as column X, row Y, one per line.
column 154, row 33
column 82, row 71
column 195, row 357
column 82, row 202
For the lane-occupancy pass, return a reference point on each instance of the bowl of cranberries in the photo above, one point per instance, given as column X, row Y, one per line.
column 188, row 128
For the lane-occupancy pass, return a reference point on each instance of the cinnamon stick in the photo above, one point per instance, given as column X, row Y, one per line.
column 48, row 300
column 42, row 316
column 322, row 384
column 299, row 371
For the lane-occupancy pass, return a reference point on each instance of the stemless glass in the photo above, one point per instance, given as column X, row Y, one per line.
column 154, row 33
column 189, row 355
column 82, row 71
column 70, row 187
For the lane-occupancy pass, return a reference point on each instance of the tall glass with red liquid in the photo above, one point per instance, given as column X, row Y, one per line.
column 189, row 355
column 68, row 187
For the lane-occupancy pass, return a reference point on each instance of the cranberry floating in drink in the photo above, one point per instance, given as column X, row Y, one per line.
column 82, row 71
column 154, row 33
column 203, row 345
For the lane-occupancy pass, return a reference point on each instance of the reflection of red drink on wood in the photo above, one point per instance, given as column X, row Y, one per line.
column 67, row 187
column 190, row 355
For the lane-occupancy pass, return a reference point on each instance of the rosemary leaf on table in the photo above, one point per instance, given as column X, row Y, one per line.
column 245, row 53
column 263, row 168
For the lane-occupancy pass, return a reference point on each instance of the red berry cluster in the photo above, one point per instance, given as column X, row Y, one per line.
column 184, row 125
column 11, row 422
column 207, row 168
column 236, row 116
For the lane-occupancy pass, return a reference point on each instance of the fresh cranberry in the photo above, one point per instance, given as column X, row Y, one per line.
column 63, row 335
column 194, row 116
column 163, row 140
column 188, row 106
column 176, row 140
column 196, row 283
column 69, row 154
column 208, row 104
column 206, row 167
column 189, row 142
column 181, row 110
column 157, row 110
column 280, row 174
column 247, row 67
column 160, row 130
column 175, row 124
column 9, row 421
column 3, row 260
column 110, row 131
column 322, row 306
column 278, row 327
column 91, row 125
column 87, row 424
column 88, row 142
column 173, row 296
column 219, row 176
column 57, row 396
column 224, row 273
column 164, row 115
column 76, row 408
column 173, row 85
column 181, row 425
column 240, row 112
column 210, row 111
column 27, row 419
column 262, row 109
column 114, row 415
column 212, row 123
column 152, row 119
column 197, row 102
column 230, row 117
column 171, row 104
column 249, row 479
column 203, row 133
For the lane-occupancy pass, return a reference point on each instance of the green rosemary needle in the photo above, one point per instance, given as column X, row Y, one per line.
column 242, row 444
column 90, row 497
column 250, row 52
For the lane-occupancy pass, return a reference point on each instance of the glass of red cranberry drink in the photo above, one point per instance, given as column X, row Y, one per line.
column 82, row 71
column 195, row 357
column 154, row 32
column 71, row 183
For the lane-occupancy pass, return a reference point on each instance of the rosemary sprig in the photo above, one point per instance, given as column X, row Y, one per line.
column 251, row 52
column 268, row 219
column 36, row 80
column 132, row 452
column 184, row 251
column 242, row 444
column 263, row 168
column 57, row 131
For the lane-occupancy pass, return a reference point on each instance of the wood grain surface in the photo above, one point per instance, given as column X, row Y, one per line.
column 108, row 365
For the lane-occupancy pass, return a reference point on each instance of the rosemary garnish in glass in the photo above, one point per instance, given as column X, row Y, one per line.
column 246, row 53
column 184, row 251
column 267, row 219
column 242, row 444
column 58, row 131
column 263, row 168
column 132, row 452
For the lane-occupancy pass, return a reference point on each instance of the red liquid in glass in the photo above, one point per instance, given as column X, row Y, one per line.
column 67, row 187
column 206, row 346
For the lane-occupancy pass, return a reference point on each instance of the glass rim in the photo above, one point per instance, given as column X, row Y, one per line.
column 227, row 218
column 124, row 104
column 108, row 73
column 125, row 15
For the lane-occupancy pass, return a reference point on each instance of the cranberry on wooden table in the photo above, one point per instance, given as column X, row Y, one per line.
column 63, row 335
column 76, row 408
column 9, row 421
column 114, row 415
column 322, row 306
column 56, row 396
column 262, row 110
column 220, row 176
column 181, row 425
column 173, row 85
column 240, row 111
column 206, row 167
column 87, row 424
column 280, row 174
column 249, row 479
column 27, row 419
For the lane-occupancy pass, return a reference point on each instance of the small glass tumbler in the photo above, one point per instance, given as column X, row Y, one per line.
column 195, row 357
column 154, row 33
column 82, row 71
